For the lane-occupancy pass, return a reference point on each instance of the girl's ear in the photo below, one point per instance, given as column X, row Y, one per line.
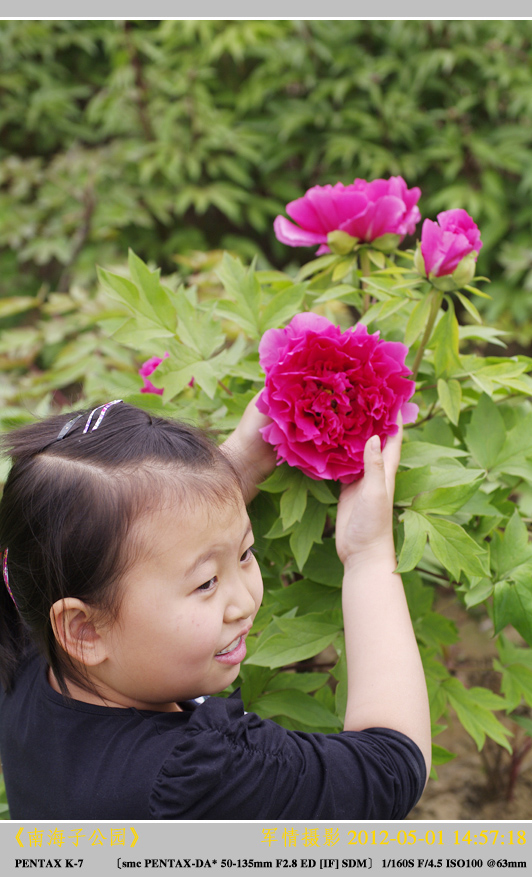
column 75, row 630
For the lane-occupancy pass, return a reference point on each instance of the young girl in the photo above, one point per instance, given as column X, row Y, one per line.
column 130, row 589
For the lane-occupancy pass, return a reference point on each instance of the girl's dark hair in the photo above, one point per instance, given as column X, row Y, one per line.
column 68, row 508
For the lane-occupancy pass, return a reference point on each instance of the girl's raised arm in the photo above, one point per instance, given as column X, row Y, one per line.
column 386, row 683
column 252, row 457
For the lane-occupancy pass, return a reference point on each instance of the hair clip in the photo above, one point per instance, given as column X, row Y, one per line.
column 6, row 576
column 101, row 415
column 67, row 427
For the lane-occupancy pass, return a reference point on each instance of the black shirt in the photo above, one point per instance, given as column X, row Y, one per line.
column 66, row 760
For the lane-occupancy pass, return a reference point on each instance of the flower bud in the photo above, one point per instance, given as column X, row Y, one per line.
column 341, row 243
column 448, row 250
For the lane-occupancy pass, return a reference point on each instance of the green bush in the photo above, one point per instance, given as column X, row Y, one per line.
column 179, row 138
column 464, row 464
column 175, row 135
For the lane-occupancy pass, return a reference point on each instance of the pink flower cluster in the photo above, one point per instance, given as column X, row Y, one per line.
column 147, row 369
column 327, row 392
column 366, row 211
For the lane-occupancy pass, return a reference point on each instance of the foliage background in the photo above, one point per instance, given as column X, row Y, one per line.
column 181, row 139
column 169, row 135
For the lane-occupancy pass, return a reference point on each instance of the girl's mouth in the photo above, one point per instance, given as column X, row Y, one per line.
column 230, row 647
column 234, row 653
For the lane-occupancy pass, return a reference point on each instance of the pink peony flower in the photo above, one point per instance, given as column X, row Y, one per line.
column 444, row 244
column 366, row 211
column 146, row 369
column 328, row 391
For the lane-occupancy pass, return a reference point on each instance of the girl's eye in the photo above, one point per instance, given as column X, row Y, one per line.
column 207, row 586
column 248, row 554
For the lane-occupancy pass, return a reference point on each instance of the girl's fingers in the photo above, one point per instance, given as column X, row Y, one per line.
column 380, row 467
column 392, row 454
column 373, row 458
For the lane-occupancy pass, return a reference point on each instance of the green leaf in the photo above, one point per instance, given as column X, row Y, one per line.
column 242, row 286
column 205, row 373
column 339, row 672
column 343, row 267
column 294, row 499
column 198, row 330
column 486, row 433
column 445, row 344
column 230, row 310
column 307, row 596
column 429, row 478
column 150, row 289
column 476, row 291
column 479, row 592
column 469, row 306
column 282, row 307
column 435, row 630
column 340, row 292
column 513, row 654
column 306, row 682
column 474, row 708
column 420, row 596
column 514, row 458
column 417, row 320
column 516, row 683
column 146, row 299
column 317, row 265
column 455, row 549
column 440, row 755
column 525, row 724
column 301, row 638
column 17, row 305
column 279, row 480
column 377, row 258
column 450, row 396
column 415, row 539
column 512, row 604
column 277, row 531
column 120, row 288
column 321, row 491
column 139, row 338
column 324, row 565
column 447, row 500
column 308, row 531
column 416, row 454
column 435, row 675
column 298, row 706
column 512, row 549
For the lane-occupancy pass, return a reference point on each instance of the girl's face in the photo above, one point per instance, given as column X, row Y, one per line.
column 188, row 605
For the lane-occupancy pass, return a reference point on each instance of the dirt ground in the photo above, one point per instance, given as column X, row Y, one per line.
column 475, row 785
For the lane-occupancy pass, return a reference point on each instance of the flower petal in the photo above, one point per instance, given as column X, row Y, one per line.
column 290, row 234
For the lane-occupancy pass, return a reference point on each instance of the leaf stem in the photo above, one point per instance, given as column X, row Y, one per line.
column 437, row 298
column 365, row 267
column 227, row 390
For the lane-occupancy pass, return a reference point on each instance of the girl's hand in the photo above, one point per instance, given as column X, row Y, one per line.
column 252, row 457
column 364, row 520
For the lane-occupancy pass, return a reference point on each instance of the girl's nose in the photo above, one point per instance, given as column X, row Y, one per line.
column 241, row 603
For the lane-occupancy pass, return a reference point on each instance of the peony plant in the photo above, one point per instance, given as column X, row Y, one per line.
column 335, row 350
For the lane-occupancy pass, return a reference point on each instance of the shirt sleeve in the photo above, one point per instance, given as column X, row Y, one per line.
column 234, row 765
